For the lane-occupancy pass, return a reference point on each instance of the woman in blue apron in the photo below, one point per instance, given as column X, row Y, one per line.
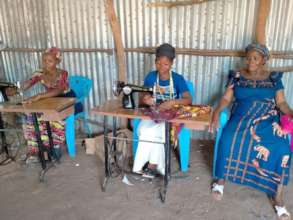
column 170, row 89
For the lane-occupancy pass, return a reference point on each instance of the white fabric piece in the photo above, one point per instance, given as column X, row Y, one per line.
column 153, row 153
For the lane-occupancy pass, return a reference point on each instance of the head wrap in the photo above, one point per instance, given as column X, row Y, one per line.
column 261, row 48
column 56, row 52
column 165, row 50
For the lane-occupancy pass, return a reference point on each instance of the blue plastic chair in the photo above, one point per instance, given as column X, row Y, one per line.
column 223, row 118
column 183, row 136
column 81, row 86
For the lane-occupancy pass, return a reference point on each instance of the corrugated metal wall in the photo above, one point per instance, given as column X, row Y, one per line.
column 219, row 24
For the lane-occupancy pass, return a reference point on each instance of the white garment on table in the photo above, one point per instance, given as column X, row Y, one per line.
column 153, row 153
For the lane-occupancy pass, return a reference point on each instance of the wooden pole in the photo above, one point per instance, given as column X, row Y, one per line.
column 117, row 39
column 151, row 50
column 66, row 50
column 262, row 15
column 176, row 3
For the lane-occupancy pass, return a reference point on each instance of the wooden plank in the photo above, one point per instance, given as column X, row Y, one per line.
column 184, row 51
column 51, row 107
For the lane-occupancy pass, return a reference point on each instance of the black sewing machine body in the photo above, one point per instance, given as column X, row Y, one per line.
column 128, row 90
column 3, row 87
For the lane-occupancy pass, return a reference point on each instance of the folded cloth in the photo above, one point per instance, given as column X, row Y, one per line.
column 160, row 115
column 287, row 126
column 178, row 111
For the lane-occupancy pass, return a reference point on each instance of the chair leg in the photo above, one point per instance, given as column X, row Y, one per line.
column 135, row 123
column 70, row 135
column 184, row 148
column 219, row 133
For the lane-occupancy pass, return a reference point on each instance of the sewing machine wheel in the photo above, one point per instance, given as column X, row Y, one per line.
column 14, row 142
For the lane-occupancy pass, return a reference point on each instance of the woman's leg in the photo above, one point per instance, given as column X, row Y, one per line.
column 157, row 158
column 58, row 136
column 278, row 200
column 30, row 137
column 147, row 151
column 279, row 205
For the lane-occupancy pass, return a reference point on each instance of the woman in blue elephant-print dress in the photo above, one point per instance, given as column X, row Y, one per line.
column 253, row 149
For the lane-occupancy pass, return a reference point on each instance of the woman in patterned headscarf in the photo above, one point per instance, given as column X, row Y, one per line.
column 253, row 149
column 55, row 81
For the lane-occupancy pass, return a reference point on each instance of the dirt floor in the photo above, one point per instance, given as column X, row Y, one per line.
column 72, row 191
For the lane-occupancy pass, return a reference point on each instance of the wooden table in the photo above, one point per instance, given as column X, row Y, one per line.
column 113, row 108
column 52, row 109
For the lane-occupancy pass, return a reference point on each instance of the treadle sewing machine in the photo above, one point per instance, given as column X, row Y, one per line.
column 128, row 90
column 113, row 109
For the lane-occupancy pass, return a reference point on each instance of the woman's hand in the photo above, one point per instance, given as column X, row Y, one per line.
column 166, row 105
column 32, row 99
column 214, row 123
column 148, row 100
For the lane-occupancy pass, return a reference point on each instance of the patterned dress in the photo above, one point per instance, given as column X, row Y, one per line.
column 250, row 150
column 57, row 127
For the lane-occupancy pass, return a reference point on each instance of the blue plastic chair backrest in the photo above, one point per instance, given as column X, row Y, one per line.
column 191, row 90
column 81, row 86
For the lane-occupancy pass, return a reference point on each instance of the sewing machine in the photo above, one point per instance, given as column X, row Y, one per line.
column 128, row 90
column 4, row 86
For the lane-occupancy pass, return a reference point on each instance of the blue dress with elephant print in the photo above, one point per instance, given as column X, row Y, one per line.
column 252, row 150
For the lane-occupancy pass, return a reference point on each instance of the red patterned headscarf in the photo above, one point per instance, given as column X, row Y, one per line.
column 56, row 52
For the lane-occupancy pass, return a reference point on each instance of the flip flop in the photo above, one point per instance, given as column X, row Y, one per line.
column 217, row 191
column 282, row 212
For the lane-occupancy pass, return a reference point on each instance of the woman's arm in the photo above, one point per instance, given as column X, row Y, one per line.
column 282, row 104
column 35, row 78
column 224, row 102
column 26, row 84
column 185, row 100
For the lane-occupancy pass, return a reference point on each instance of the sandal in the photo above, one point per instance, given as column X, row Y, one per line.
column 217, row 191
column 282, row 212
